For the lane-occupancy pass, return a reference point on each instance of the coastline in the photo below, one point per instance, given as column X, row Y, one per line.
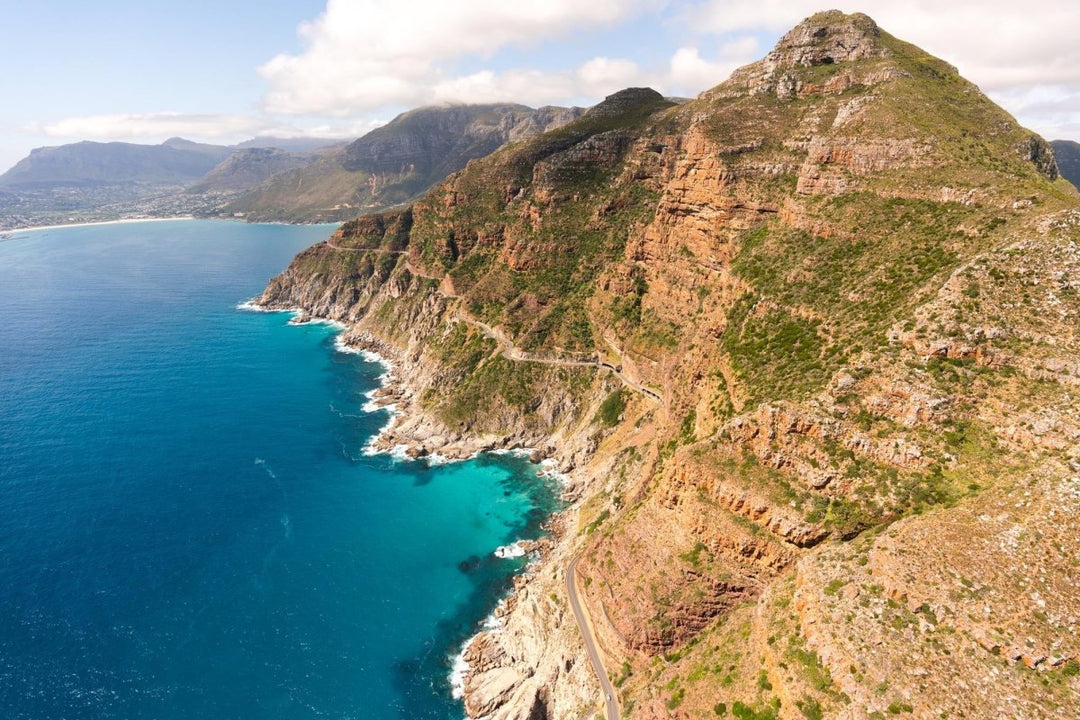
column 517, row 619
column 391, row 395
column 130, row 221
column 125, row 221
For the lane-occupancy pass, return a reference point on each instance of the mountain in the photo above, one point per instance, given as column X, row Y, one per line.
column 175, row 161
column 396, row 162
column 806, row 347
column 293, row 145
column 1067, row 153
column 245, row 168
column 91, row 181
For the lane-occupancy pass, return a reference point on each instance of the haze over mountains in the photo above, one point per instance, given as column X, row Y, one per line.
column 396, row 162
column 282, row 179
column 89, row 181
column 174, row 161
column 296, row 180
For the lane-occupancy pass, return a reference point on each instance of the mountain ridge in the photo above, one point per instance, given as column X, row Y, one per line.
column 264, row 179
column 396, row 162
column 173, row 161
column 847, row 279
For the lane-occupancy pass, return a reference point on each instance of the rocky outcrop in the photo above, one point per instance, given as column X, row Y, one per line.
column 825, row 39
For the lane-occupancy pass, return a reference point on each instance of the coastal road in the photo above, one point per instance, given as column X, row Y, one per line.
column 590, row 643
column 511, row 352
column 330, row 243
column 506, row 345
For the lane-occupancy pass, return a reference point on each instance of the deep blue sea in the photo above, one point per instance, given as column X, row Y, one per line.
column 188, row 526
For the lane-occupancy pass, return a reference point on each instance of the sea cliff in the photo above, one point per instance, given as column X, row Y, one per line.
column 806, row 346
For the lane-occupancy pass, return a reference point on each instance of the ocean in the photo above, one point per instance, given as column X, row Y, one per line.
column 188, row 524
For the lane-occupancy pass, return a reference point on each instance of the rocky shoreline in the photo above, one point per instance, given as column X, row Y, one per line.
column 530, row 641
column 418, row 435
column 838, row 448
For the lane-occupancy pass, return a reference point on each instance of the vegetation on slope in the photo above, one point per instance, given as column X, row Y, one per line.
column 852, row 280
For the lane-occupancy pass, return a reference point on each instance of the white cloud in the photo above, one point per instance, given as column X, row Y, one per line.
column 524, row 86
column 153, row 125
column 603, row 74
column 744, row 49
column 361, row 55
column 689, row 73
column 593, row 79
column 997, row 44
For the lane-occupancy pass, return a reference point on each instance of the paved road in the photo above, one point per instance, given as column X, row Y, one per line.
column 590, row 644
column 330, row 243
column 506, row 345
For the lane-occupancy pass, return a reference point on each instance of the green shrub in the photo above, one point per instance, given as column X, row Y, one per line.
column 612, row 408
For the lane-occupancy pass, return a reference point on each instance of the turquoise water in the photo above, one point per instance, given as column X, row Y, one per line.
column 188, row 526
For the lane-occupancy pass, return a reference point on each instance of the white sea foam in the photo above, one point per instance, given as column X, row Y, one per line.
column 372, row 356
column 458, row 666
column 343, row 347
column 493, row 623
column 262, row 463
column 514, row 550
column 458, row 669
column 297, row 313
column 399, row 452
column 370, row 447
column 253, row 306
column 550, row 469
column 336, row 324
column 515, row 452
column 372, row 405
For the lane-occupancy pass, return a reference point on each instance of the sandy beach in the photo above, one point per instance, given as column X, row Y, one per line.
column 126, row 221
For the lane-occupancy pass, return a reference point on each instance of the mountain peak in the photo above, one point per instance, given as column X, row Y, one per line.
column 850, row 47
column 826, row 38
column 624, row 100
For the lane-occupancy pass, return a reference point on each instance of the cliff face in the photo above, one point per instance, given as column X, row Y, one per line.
column 1067, row 153
column 808, row 345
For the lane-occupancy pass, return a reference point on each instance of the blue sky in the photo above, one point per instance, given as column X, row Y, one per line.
column 228, row 70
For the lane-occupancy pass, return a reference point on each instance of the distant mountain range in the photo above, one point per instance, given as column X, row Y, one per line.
column 245, row 168
column 293, row 180
column 174, row 161
column 1067, row 153
column 396, row 162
